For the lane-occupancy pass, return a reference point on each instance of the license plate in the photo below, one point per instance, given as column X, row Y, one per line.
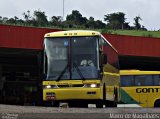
column 50, row 97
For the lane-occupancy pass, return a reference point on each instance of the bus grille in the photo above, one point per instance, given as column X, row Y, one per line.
column 72, row 85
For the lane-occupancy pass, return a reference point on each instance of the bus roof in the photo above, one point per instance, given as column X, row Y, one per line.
column 138, row 72
column 72, row 33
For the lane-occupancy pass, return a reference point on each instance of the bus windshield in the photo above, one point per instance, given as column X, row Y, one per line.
column 72, row 58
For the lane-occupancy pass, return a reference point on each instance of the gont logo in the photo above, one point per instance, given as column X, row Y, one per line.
column 147, row 90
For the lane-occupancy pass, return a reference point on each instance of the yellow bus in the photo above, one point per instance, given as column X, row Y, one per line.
column 140, row 87
column 81, row 67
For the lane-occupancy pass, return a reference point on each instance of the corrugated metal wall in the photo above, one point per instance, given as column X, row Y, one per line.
column 22, row 37
column 32, row 38
column 134, row 45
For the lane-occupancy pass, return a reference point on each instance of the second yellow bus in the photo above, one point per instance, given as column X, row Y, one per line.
column 140, row 87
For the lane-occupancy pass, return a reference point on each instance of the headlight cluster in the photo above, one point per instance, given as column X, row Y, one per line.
column 50, row 86
column 92, row 85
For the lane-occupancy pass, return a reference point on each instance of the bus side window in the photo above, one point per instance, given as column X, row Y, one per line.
column 101, row 41
column 103, row 55
column 156, row 80
column 127, row 81
column 143, row 80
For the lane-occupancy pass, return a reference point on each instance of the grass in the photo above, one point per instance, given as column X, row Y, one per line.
column 134, row 33
column 143, row 33
column 154, row 34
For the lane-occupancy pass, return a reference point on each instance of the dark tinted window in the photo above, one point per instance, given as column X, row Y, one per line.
column 156, row 80
column 127, row 81
column 143, row 80
column 140, row 80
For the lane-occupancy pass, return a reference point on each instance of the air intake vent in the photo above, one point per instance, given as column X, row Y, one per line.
column 70, row 85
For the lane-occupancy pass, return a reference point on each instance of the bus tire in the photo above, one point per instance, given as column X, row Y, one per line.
column 78, row 104
column 99, row 104
column 51, row 104
column 55, row 103
column 47, row 104
column 157, row 103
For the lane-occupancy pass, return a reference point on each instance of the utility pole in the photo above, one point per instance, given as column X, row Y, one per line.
column 63, row 9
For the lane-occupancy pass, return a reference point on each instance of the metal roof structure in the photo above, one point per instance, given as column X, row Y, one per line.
column 134, row 51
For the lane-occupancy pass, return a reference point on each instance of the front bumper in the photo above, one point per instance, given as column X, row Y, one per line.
column 71, row 94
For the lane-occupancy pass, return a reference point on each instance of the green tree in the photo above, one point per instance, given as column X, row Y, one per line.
column 136, row 22
column 56, row 21
column 100, row 24
column 20, row 22
column 11, row 21
column 16, row 18
column 1, row 20
column 28, row 18
column 115, row 20
column 40, row 18
column 76, row 19
column 90, row 23
column 4, row 20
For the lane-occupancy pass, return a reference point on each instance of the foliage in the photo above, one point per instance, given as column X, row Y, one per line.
column 75, row 20
column 40, row 18
column 137, row 24
column 116, row 20
column 134, row 33
column 56, row 21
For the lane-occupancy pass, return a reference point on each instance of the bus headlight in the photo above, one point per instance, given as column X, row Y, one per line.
column 92, row 85
column 50, row 86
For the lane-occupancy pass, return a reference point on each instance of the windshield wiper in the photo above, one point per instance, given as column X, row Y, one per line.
column 67, row 66
column 78, row 70
column 64, row 70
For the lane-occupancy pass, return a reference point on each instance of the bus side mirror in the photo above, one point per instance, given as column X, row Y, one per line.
column 104, row 59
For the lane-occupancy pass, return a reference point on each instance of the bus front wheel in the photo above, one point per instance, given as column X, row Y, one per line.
column 50, row 104
column 99, row 104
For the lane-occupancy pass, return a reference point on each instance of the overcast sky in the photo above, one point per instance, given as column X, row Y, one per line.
column 148, row 10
